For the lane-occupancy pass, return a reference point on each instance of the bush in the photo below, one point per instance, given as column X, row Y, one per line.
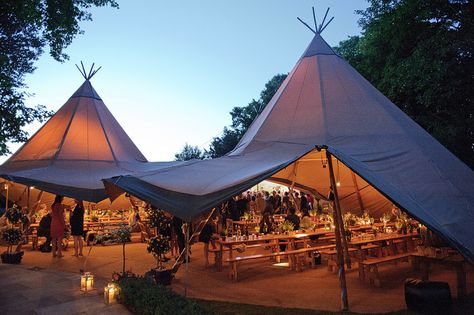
column 142, row 296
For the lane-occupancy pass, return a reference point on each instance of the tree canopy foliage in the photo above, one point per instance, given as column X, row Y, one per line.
column 242, row 118
column 189, row 152
column 419, row 53
column 27, row 27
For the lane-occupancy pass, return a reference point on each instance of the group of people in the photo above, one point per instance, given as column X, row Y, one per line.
column 260, row 202
column 53, row 226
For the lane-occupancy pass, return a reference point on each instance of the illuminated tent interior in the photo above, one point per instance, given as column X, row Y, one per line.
column 380, row 155
column 70, row 154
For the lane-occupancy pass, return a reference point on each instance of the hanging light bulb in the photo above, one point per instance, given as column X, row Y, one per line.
column 338, row 184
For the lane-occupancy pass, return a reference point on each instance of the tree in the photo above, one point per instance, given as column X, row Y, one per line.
column 26, row 28
column 419, row 53
column 189, row 152
column 224, row 144
column 242, row 118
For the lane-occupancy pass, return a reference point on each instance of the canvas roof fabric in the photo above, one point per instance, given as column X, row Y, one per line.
column 381, row 155
column 77, row 147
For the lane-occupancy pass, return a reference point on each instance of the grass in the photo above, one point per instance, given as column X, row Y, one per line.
column 228, row 308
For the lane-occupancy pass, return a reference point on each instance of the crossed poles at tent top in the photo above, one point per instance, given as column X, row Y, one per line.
column 317, row 29
column 91, row 73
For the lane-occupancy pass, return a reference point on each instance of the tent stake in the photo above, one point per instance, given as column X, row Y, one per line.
column 339, row 237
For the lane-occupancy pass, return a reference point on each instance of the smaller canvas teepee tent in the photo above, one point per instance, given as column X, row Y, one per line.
column 77, row 147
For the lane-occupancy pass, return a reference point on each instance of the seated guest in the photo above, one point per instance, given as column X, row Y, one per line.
column 293, row 218
column 44, row 229
column 266, row 223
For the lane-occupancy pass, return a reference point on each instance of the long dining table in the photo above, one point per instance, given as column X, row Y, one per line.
column 231, row 243
column 381, row 238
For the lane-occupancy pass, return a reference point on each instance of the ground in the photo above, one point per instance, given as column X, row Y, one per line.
column 42, row 283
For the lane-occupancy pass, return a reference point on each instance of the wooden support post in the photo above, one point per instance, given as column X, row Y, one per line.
column 356, row 187
column 186, row 225
column 340, row 237
column 338, row 212
column 297, row 206
column 6, row 196
column 28, row 200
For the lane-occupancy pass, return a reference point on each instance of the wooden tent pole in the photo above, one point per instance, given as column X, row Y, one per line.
column 356, row 186
column 339, row 236
column 337, row 206
column 28, row 200
column 6, row 197
column 292, row 196
column 186, row 260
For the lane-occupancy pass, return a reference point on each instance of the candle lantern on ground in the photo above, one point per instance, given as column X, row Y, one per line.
column 110, row 293
column 87, row 282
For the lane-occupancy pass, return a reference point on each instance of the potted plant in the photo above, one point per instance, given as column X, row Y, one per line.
column 159, row 246
column 12, row 236
column 122, row 235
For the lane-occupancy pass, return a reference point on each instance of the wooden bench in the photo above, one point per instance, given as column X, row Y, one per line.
column 331, row 257
column 370, row 266
column 298, row 254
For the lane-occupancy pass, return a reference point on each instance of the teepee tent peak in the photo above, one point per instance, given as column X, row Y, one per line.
column 88, row 75
column 317, row 29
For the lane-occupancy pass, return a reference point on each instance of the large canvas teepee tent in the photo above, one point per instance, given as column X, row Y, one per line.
column 326, row 105
column 77, row 147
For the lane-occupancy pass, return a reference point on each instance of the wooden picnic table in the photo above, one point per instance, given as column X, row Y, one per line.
column 271, row 239
column 358, row 242
column 457, row 262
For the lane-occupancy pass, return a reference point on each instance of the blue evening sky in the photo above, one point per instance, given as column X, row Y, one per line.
column 173, row 70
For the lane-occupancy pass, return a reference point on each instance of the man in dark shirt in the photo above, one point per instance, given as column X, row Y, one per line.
column 293, row 218
column 241, row 206
column 304, row 205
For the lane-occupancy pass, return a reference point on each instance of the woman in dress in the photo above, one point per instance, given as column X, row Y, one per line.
column 57, row 225
column 77, row 227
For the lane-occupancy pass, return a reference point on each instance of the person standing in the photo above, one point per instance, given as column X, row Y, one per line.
column 241, row 206
column 77, row 227
column 304, row 206
column 260, row 203
column 57, row 225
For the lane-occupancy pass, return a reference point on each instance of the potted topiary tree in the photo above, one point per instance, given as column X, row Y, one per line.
column 159, row 246
column 122, row 235
column 12, row 236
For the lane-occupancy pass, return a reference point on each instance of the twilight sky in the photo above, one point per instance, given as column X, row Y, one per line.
column 173, row 70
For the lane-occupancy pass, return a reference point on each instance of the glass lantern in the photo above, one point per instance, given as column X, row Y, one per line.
column 110, row 293
column 87, row 282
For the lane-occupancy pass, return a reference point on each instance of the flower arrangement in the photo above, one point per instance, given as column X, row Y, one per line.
column 286, row 226
column 158, row 247
column 365, row 219
column 402, row 223
column 386, row 217
column 117, row 276
column 306, row 224
column 348, row 219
